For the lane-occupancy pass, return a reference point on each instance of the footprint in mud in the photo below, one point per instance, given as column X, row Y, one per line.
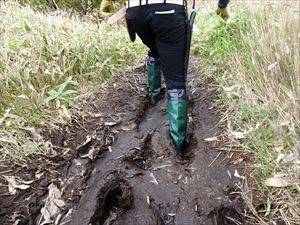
column 114, row 199
column 162, row 213
column 141, row 156
column 156, row 146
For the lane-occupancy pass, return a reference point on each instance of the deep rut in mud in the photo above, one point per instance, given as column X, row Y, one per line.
column 125, row 170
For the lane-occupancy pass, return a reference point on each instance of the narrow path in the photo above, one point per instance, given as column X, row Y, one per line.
column 115, row 165
column 143, row 181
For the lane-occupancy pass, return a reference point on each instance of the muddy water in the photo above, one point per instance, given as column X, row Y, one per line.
column 143, row 180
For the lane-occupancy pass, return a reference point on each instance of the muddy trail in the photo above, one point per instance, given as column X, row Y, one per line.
column 115, row 165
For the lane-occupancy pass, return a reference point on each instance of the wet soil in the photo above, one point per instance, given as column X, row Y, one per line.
column 115, row 164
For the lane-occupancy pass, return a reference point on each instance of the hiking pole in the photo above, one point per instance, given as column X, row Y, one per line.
column 190, row 23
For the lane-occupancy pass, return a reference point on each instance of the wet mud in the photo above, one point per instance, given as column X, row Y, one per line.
column 121, row 167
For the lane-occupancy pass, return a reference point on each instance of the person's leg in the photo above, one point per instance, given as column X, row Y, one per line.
column 154, row 78
column 139, row 21
column 171, row 35
column 169, row 26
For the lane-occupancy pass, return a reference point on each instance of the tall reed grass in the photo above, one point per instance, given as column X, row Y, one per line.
column 255, row 59
column 46, row 61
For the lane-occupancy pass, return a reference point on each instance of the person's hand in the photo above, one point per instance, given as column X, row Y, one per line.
column 106, row 6
column 223, row 12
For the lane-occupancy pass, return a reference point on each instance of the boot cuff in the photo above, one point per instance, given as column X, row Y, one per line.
column 177, row 94
column 152, row 61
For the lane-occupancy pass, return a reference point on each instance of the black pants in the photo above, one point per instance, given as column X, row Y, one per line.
column 162, row 28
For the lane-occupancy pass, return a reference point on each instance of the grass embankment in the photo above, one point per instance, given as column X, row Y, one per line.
column 46, row 62
column 79, row 6
column 256, row 62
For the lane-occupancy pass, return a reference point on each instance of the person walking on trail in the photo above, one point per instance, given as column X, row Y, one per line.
column 162, row 27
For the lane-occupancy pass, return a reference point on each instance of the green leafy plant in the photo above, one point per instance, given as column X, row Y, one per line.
column 64, row 92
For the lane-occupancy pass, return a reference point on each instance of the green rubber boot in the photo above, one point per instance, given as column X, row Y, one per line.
column 154, row 79
column 178, row 118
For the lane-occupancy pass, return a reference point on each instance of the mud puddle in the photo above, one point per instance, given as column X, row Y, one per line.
column 124, row 170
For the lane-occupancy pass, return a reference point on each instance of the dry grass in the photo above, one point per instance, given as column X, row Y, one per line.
column 47, row 61
column 256, row 62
